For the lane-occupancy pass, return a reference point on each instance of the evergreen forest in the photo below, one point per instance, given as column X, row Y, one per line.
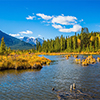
column 83, row 42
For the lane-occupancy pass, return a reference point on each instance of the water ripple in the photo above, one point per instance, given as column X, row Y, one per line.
column 37, row 84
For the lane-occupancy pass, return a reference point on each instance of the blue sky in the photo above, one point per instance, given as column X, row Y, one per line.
column 48, row 18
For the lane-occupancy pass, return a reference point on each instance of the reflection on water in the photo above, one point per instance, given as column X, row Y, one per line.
column 37, row 84
column 16, row 72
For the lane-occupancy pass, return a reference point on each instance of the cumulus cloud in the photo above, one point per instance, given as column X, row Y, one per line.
column 14, row 35
column 44, row 16
column 75, row 28
column 26, row 32
column 57, row 26
column 60, row 22
column 64, row 20
column 30, row 17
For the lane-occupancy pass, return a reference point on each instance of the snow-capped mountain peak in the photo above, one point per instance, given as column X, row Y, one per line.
column 32, row 40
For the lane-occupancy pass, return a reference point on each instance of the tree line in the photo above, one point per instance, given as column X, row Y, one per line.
column 83, row 42
column 86, row 42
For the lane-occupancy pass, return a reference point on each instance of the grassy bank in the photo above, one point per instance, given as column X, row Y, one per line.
column 23, row 61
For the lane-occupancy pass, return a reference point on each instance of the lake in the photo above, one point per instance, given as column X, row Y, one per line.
column 60, row 74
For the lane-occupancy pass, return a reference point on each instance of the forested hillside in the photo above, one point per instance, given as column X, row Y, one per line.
column 14, row 43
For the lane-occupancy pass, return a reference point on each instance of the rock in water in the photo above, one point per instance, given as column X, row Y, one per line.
column 74, row 86
column 71, row 87
column 53, row 89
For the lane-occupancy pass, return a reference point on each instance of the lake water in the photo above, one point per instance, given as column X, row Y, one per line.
column 38, row 84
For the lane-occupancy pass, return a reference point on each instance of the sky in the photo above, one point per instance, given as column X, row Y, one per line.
column 48, row 18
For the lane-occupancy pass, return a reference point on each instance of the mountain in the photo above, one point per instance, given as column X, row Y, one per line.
column 32, row 40
column 14, row 43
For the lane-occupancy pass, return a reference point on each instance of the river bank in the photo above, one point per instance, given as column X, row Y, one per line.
column 31, row 60
column 72, row 53
column 23, row 61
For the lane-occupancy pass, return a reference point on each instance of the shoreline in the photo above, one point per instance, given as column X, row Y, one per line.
column 23, row 61
column 72, row 53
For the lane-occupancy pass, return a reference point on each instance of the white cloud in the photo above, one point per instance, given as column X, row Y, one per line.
column 75, row 28
column 64, row 20
column 30, row 17
column 59, row 22
column 81, row 20
column 26, row 32
column 44, row 16
column 57, row 26
column 14, row 35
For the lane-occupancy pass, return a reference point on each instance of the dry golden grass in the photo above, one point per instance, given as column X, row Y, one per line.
column 23, row 61
column 88, row 60
column 98, row 59
column 75, row 56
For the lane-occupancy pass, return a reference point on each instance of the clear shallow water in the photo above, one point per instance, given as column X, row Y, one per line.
column 38, row 84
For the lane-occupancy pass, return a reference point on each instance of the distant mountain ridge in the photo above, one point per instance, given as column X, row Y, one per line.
column 14, row 43
column 32, row 40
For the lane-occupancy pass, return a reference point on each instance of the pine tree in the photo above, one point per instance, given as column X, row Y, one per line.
column 64, row 43
column 74, row 43
column 37, row 44
column 39, row 47
column 3, row 46
column 91, row 48
column 57, row 44
column 52, row 45
column 68, row 44
column 87, row 49
column 83, row 48
column 61, row 42
column 45, row 46
column 96, row 44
